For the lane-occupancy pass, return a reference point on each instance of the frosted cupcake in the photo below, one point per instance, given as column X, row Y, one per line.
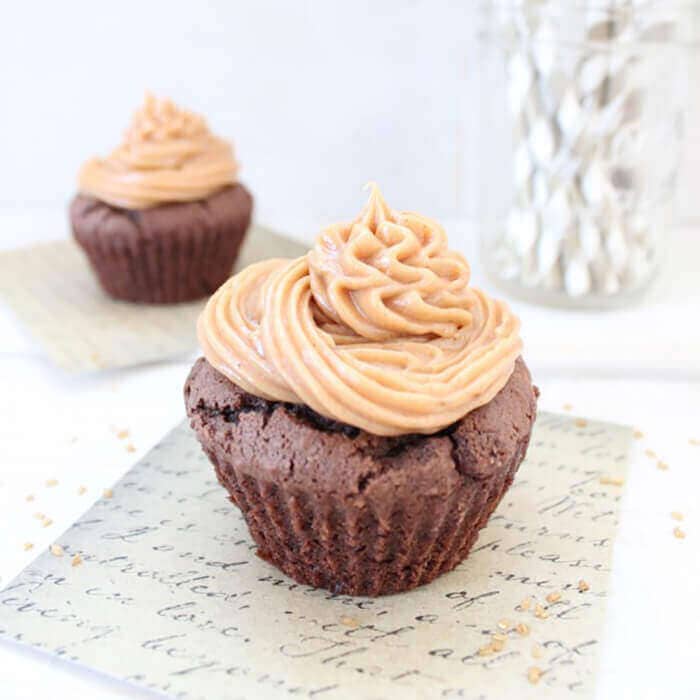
column 364, row 406
column 162, row 218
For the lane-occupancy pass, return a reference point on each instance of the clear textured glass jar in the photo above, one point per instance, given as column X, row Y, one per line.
column 581, row 127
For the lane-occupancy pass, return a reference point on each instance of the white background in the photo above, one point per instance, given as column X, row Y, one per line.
column 320, row 97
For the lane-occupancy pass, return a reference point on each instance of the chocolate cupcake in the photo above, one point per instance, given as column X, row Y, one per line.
column 162, row 218
column 365, row 408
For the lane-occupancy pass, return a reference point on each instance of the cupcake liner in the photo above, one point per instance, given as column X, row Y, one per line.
column 358, row 548
column 167, row 254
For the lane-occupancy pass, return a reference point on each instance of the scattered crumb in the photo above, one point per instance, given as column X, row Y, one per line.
column 46, row 522
column 486, row 650
column 678, row 533
column 638, row 434
column 349, row 621
column 612, row 481
column 29, row 497
column 677, row 516
column 498, row 644
column 650, row 453
column 28, row 546
column 540, row 612
column 537, row 651
column 583, row 586
column 39, row 516
column 662, row 465
column 76, row 560
column 554, row 597
column 82, row 490
column 108, row 493
column 122, row 434
column 56, row 550
column 525, row 604
column 130, row 448
column 568, row 407
column 503, row 625
column 522, row 629
column 534, row 674
column 694, row 441
column 51, row 482
column 581, row 423
column 499, row 637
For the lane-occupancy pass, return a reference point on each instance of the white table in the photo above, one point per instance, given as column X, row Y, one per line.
column 54, row 426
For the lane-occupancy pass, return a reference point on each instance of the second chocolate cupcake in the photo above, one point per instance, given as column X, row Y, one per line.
column 162, row 218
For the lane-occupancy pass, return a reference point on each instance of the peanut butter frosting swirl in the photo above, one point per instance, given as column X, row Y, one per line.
column 168, row 155
column 376, row 327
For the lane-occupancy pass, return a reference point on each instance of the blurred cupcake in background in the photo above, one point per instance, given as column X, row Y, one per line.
column 162, row 218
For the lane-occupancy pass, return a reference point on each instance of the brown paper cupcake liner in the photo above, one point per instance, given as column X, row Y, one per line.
column 358, row 549
column 180, row 253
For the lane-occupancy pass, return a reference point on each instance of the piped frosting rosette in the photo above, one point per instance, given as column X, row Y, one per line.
column 376, row 327
column 168, row 155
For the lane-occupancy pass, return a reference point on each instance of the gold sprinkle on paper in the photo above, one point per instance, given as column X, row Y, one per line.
column 76, row 560
column 56, row 550
column 540, row 612
column 583, row 586
column 39, row 516
column 108, row 493
column 650, row 453
column 581, row 423
column 678, row 533
column 537, row 651
column 349, row 621
column 46, row 522
column 123, row 434
column 638, row 434
column 498, row 644
column 29, row 497
column 694, row 441
column 28, row 546
column 525, row 603
column 554, row 597
column 522, row 629
column 677, row 516
column 82, row 490
column 534, row 674
column 663, row 466
column 486, row 650
column 612, row 481
column 130, row 448
column 503, row 624
column 50, row 483
column 568, row 407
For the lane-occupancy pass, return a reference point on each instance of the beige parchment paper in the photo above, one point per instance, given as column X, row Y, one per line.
column 54, row 293
column 171, row 596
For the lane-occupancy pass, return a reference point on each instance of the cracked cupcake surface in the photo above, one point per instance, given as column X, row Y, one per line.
column 362, row 500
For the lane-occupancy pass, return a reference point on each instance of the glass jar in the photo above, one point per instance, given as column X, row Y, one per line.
column 581, row 126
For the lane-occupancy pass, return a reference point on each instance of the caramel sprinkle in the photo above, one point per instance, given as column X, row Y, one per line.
column 638, row 434
column 650, row 453
column 130, row 448
column 56, row 550
column 663, row 466
column 122, row 434
column 537, row 651
column 581, row 423
column 51, row 483
column 525, row 604
column 503, row 624
column 677, row 516
column 554, row 597
column 612, row 481
column 678, row 533
column 486, row 650
column 46, row 522
column 694, row 441
column 522, row 629
column 540, row 612
column 349, row 621
column 82, row 490
column 108, row 493
column 583, row 586
column 534, row 674
column 76, row 560
column 28, row 546
column 29, row 497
